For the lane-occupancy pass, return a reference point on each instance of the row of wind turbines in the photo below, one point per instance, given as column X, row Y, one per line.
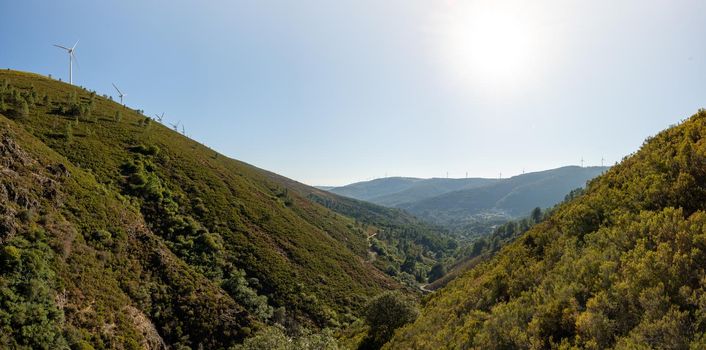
column 72, row 57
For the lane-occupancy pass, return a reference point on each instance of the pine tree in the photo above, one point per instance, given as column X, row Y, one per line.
column 24, row 109
column 69, row 133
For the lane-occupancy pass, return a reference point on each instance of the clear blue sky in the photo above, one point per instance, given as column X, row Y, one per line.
column 332, row 92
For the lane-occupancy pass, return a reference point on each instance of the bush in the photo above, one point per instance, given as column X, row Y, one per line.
column 10, row 256
column 437, row 272
column 274, row 338
column 384, row 314
column 69, row 133
column 23, row 109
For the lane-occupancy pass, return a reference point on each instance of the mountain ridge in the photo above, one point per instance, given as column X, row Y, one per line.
column 460, row 203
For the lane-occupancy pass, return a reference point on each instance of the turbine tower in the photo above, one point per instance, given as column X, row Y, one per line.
column 120, row 94
column 72, row 56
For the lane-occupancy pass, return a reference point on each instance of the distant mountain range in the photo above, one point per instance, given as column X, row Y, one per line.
column 458, row 202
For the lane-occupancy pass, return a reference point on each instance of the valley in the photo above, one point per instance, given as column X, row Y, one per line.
column 110, row 219
column 174, row 189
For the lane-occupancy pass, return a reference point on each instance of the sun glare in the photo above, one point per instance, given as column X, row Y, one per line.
column 491, row 45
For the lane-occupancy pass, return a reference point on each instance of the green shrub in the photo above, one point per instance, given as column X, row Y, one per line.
column 384, row 314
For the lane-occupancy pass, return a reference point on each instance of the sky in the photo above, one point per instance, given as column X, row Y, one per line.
column 334, row 92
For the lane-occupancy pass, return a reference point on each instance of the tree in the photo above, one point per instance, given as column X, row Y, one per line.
column 536, row 215
column 409, row 264
column 437, row 271
column 69, row 133
column 24, row 108
column 384, row 314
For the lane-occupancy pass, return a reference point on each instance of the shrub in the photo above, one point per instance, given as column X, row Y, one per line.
column 384, row 314
column 69, row 133
column 10, row 256
column 23, row 109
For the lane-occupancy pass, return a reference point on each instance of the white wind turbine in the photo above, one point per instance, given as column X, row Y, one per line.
column 159, row 117
column 72, row 56
column 120, row 94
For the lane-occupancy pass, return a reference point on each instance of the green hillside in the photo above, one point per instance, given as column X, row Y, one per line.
column 401, row 245
column 504, row 199
column 472, row 206
column 118, row 232
column 619, row 266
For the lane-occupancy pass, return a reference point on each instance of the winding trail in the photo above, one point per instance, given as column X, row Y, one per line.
column 424, row 289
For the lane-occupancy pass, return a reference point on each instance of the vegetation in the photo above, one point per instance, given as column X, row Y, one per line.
column 618, row 266
column 468, row 211
column 384, row 314
column 120, row 233
column 275, row 338
column 401, row 245
column 472, row 207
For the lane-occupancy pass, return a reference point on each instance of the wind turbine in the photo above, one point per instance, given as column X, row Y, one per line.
column 175, row 126
column 120, row 94
column 159, row 117
column 72, row 56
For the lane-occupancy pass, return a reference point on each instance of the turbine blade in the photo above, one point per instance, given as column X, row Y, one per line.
column 74, row 45
column 116, row 88
column 61, row 47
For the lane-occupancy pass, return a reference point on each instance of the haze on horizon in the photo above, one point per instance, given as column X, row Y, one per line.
column 339, row 92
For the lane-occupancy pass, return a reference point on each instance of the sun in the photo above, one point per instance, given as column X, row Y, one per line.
column 491, row 44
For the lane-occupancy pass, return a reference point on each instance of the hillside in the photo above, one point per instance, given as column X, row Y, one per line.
column 367, row 190
column 393, row 191
column 401, row 245
column 507, row 198
column 619, row 266
column 429, row 188
column 118, row 232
